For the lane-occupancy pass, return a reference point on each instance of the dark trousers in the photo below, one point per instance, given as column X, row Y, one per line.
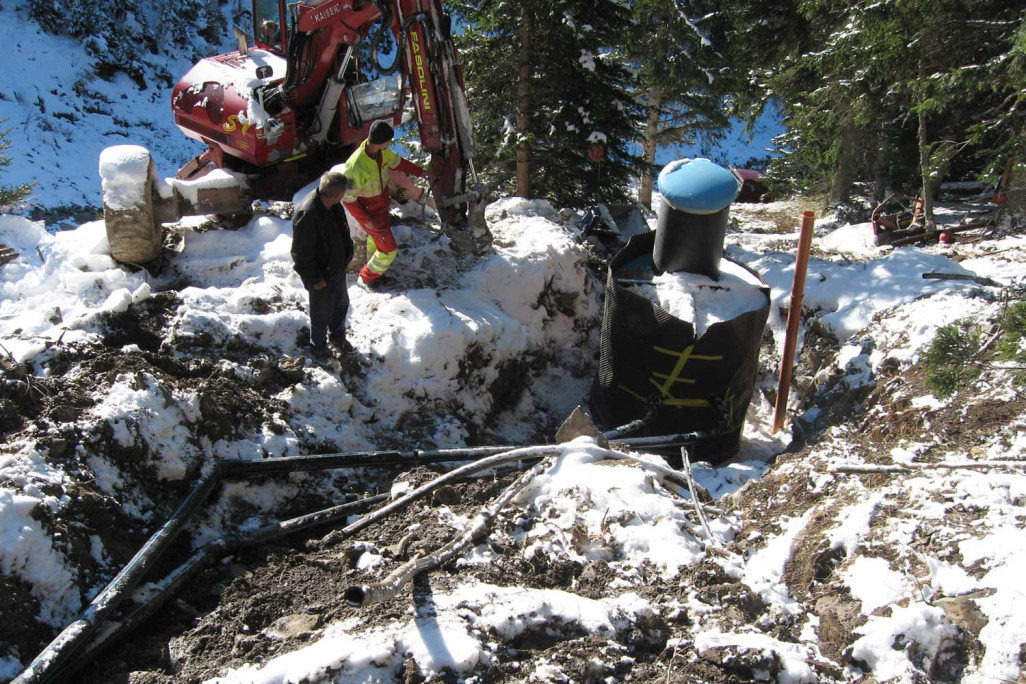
column 328, row 309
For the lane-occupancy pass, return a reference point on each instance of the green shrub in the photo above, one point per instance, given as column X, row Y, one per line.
column 10, row 195
column 1012, row 345
column 951, row 362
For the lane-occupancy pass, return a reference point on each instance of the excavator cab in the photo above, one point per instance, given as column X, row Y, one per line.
column 268, row 18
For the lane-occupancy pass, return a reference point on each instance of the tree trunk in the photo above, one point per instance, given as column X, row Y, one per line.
column 844, row 173
column 648, row 146
column 881, row 166
column 930, row 222
column 524, row 108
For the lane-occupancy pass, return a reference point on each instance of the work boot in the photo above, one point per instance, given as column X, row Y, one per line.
column 320, row 352
column 382, row 282
column 342, row 344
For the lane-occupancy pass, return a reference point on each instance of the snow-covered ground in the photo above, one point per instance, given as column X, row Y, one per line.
column 236, row 289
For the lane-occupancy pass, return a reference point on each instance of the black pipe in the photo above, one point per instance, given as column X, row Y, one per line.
column 361, row 459
column 217, row 548
column 662, row 441
column 358, row 459
column 53, row 657
column 68, row 641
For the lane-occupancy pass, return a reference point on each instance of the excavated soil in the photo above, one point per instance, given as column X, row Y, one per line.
column 288, row 589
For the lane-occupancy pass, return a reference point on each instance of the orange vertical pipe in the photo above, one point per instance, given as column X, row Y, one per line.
column 794, row 318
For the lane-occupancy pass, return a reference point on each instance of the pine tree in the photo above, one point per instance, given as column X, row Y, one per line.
column 10, row 195
column 546, row 86
column 676, row 51
column 893, row 92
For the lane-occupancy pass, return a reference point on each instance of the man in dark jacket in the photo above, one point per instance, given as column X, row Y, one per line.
column 321, row 250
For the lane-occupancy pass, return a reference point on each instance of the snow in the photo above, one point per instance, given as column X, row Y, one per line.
column 214, row 180
column 420, row 335
column 29, row 553
column 57, row 134
column 124, row 171
column 703, row 301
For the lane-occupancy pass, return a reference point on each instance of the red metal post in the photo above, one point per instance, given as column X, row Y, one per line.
column 794, row 317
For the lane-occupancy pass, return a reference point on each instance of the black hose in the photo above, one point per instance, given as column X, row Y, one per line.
column 74, row 635
column 242, row 469
column 202, row 558
column 55, row 656
column 400, row 42
column 362, row 459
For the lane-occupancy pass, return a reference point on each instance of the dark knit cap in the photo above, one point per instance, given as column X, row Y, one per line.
column 380, row 132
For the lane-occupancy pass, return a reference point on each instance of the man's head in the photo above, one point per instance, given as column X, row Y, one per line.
column 379, row 137
column 332, row 186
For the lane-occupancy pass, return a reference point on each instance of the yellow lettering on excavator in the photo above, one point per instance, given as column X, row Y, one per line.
column 232, row 123
column 418, row 59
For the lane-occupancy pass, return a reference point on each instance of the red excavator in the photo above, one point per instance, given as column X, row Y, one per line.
column 277, row 114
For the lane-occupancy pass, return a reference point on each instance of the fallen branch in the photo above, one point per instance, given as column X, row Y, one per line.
column 363, row 595
column 980, row 280
column 525, row 454
column 910, row 467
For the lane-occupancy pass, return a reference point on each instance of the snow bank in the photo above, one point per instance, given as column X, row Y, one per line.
column 59, row 286
column 627, row 523
column 849, row 295
column 26, row 547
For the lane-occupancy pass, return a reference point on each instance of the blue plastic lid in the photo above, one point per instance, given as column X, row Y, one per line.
column 697, row 186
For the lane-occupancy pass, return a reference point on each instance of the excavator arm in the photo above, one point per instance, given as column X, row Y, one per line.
column 276, row 114
column 430, row 67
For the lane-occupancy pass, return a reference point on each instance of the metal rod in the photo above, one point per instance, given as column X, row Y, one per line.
column 794, row 318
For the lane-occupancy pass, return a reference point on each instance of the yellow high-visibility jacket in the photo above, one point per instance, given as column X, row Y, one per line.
column 366, row 197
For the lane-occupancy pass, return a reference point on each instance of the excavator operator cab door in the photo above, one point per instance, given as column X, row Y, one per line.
column 269, row 17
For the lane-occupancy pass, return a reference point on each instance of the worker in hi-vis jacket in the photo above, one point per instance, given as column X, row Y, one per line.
column 373, row 171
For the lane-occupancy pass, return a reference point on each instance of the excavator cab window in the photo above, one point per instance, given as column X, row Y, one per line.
column 377, row 99
column 268, row 19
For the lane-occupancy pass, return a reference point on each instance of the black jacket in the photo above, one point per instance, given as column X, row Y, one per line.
column 321, row 246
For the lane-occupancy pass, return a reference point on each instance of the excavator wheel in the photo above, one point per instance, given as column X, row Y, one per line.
column 131, row 204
